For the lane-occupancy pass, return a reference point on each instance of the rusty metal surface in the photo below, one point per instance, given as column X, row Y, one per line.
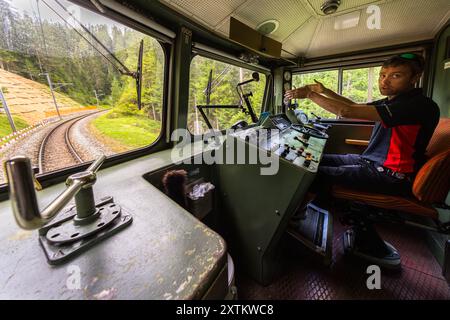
column 165, row 253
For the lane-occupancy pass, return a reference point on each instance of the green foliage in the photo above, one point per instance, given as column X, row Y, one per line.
column 357, row 87
column 126, row 109
column 5, row 128
column 130, row 131
column 28, row 50
column 116, row 91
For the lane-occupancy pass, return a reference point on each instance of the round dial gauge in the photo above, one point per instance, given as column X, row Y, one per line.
column 302, row 117
column 287, row 76
column 287, row 86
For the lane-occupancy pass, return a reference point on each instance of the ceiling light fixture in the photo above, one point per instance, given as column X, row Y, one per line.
column 330, row 6
column 347, row 21
column 268, row 27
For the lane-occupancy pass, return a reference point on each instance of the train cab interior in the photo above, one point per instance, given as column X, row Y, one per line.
column 189, row 168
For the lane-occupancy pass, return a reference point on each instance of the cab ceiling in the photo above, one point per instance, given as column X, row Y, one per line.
column 305, row 31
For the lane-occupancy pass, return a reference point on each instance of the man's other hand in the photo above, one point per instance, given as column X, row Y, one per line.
column 318, row 87
column 299, row 93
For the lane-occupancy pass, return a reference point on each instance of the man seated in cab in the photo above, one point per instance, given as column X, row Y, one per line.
column 404, row 123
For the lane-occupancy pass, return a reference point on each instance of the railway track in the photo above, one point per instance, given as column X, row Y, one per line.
column 57, row 150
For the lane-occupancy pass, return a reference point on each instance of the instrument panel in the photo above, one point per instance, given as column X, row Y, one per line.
column 295, row 155
column 301, row 145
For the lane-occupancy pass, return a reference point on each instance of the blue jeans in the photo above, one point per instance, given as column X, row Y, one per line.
column 352, row 171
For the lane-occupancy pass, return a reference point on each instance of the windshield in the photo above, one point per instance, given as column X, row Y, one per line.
column 68, row 89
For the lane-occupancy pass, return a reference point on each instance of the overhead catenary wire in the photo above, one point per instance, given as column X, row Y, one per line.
column 35, row 48
column 126, row 72
column 42, row 28
column 95, row 38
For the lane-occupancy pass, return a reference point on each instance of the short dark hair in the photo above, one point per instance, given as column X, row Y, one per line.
column 414, row 61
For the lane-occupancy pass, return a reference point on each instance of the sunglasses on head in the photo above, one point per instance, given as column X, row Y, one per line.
column 409, row 56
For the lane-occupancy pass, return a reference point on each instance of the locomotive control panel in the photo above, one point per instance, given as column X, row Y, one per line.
column 301, row 145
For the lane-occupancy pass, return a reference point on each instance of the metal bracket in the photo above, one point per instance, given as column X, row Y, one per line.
column 63, row 238
column 70, row 213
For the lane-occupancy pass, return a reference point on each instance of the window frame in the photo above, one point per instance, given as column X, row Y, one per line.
column 167, row 45
column 362, row 60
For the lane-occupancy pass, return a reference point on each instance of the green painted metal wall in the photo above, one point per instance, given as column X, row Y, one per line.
column 441, row 83
column 441, row 95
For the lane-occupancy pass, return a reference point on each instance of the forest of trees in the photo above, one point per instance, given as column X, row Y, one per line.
column 30, row 46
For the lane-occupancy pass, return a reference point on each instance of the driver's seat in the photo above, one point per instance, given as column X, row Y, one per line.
column 430, row 188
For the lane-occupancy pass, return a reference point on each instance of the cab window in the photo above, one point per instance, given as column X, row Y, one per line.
column 224, row 78
column 65, row 99
column 328, row 78
column 361, row 85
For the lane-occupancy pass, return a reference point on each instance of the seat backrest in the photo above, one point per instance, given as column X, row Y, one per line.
column 432, row 182
column 440, row 141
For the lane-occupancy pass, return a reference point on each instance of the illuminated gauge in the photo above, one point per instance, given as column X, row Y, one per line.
column 287, row 76
column 302, row 117
column 287, row 86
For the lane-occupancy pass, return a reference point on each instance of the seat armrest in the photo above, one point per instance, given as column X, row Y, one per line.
column 356, row 142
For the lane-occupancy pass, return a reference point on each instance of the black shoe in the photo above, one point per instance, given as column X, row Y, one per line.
column 387, row 258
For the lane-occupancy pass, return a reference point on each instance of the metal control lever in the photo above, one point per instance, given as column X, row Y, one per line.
column 76, row 229
column 23, row 196
column 305, row 144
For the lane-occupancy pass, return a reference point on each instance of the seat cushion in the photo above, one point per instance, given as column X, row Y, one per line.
column 409, row 205
column 432, row 182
